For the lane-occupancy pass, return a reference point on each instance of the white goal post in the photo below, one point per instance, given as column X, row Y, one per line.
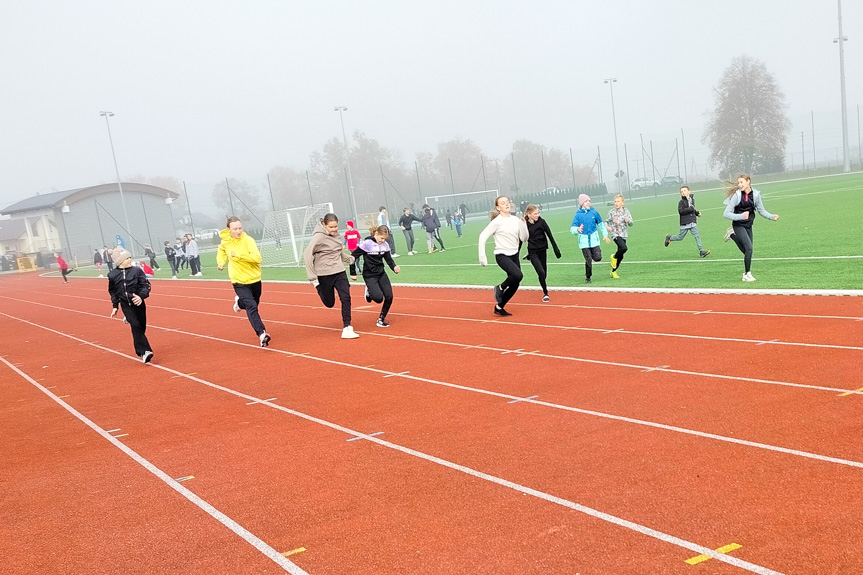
column 475, row 202
column 287, row 233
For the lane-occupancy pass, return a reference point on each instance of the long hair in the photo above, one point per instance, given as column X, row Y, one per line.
column 496, row 211
column 529, row 208
column 731, row 187
column 382, row 230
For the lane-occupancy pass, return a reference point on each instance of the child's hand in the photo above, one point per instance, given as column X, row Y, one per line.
column 136, row 299
column 745, row 215
column 698, row 214
column 113, row 312
column 607, row 240
column 580, row 228
column 557, row 254
column 775, row 217
column 397, row 269
column 233, row 254
column 220, row 267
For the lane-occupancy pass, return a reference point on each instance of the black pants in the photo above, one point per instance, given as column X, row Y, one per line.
column 621, row 249
column 538, row 259
column 195, row 264
column 327, row 288
column 136, row 315
column 591, row 255
column 439, row 239
column 392, row 242
column 250, row 297
column 154, row 264
column 173, row 262
column 742, row 236
column 380, row 290
column 183, row 263
column 409, row 238
column 512, row 267
column 64, row 273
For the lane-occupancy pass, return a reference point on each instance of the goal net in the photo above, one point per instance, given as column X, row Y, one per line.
column 287, row 233
column 469, row 202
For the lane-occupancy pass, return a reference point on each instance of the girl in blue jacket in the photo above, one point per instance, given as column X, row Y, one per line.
column 587, row 225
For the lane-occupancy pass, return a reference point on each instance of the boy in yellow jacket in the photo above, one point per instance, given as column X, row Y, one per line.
column 241, row 253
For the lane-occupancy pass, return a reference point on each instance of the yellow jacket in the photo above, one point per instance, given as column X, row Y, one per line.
column 243, row 257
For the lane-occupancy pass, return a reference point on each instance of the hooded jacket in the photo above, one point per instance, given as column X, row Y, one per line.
column 244, row 267
column 588, row 237
column 123, row 283
column 324, row 256
column 375, row 255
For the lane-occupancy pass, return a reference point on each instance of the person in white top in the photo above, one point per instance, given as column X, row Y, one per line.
column 509, row 233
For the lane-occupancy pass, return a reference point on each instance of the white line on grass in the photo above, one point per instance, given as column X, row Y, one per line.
column 238, row 529
column 636, row 527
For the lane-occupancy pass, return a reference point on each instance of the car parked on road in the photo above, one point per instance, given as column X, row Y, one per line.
column 672, row 181
column 639, row 183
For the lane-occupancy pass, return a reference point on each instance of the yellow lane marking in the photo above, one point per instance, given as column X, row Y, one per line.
column 852, row 392
column 293, row 552
column 701, row 558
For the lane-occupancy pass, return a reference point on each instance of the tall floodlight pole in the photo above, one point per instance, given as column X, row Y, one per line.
column 846, row 167
column 341, row 109
column 107, row 115
column 610, row 82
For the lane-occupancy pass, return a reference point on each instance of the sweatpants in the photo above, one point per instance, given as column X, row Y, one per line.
column 380, row 290
column 327, row 288
column 742, row 236
column 621, row 249
column 538, row 259
column 682, row 234
column 136, row 315
column 392, row 243
column 512, row 267
column 409, row 238
column 250, row 297
column 591, row 255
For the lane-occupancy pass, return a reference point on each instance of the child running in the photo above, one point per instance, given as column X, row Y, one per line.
column 64, row 267
column 618, row 222
column 509, row 233
column 129, row 287
column 539, row 234
column 375, row 250
column 240, row 251
column 352, row 240
column 688, row 215
column 741, row 203
column 587, row 225
column 325, row 268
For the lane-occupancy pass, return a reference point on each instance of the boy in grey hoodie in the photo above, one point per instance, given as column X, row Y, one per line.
column 325, row 268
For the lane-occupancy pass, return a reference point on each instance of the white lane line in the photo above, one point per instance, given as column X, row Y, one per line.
column 365, row 436
column 239, row 530
column 262, row 401
column 267, row 550
column 397, row 374
column 523, row 399
column 481, row 391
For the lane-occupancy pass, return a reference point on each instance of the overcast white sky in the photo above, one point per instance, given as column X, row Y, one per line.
column 207, row 89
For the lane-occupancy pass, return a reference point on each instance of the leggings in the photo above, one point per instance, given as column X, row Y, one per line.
column 621, row 249
column 512, row 267
column 538, row 259
column 380, row 290
column 742, row 236
column 591, row 255
column 136, row 315
column 250, row 297
column 327, row 288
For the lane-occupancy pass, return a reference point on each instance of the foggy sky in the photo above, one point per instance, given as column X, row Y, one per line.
column 207, row 89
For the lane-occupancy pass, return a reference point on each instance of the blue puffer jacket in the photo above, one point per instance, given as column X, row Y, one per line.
column 592, row 222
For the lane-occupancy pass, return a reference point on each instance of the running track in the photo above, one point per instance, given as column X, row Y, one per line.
column 598, row 434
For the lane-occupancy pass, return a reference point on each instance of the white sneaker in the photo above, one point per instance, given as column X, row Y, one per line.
column 367, row 296
column 411, row 253
column 173, row 277
column 101, row 276
column 236, row 304
column 748, row 277
column 199, row 274
column 396, row 255
column 728, row 234
column 349, row 333
column 148, row 355
column 265, row 339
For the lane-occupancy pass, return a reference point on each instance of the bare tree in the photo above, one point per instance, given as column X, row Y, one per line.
column 747, row 129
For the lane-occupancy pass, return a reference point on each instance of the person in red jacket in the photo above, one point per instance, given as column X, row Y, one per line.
column 64, row 267
column 352, row 239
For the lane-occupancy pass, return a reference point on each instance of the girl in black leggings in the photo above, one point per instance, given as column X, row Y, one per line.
column 509, row 233
column 741, row 203
column 375, row 250
column 539, row 234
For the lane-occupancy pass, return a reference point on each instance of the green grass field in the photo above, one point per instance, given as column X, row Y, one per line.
column 810, row 247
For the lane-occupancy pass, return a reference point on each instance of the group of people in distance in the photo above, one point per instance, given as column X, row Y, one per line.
column 325, row 257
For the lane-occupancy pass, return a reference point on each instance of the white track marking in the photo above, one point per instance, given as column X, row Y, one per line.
column 636, row 527
column 238, row 529
column 481, row 391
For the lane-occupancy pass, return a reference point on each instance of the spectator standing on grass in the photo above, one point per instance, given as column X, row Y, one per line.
column 431, row 223
column 129, row 287
column 538, row 236
column 405, row 223
column 458, row 220
column 107, row 258
column 352, row 239
column 448, row 218
column 180, row 249
column 618, row 221
column 741, row 203
column 171, row 256
column 193, row 255
column 587, row 225
column 325, row 268
column 509, row 233
column 64, row 267
column 239, row 250
column 375, row 251
column 688, row 215
column 463, row 209
column 384, row 220
column 97, row 261
column 148, row 251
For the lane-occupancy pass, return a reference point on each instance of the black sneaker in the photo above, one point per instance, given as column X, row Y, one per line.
column 501, row 312
column 497, row 294
column 587, row 280
column 705, row 253
column 382, row 322
column 667, row 240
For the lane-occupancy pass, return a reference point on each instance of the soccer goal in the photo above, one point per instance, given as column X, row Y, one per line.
column 287, row 233
column 468, row 202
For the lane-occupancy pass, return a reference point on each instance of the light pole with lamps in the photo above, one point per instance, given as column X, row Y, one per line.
column 341, row 109
column 107, row 115
column 841, row 41
column 610, row 82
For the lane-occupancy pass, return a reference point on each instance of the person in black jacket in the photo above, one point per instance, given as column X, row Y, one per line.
column 405, row 223
column 375, row 250
column 171, row 256
column 148, row 251
column 688, row 215
column 537, row 245
column 97, row 261
column 129, row 287
column 431, row 223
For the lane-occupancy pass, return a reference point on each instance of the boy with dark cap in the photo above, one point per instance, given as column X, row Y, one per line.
column 129, row 287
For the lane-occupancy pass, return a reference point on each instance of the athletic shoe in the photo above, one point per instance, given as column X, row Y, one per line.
column 748, row 277
column 396, row 255
column 382, row 322
column 101, row 276
column 410, row 253
column 431, row 250
column 199, row 274
column 501, row 312
column 265, row 339
column 236, row 304
column 126, row 321
column 349, row 333
column 667, row 240
column 368, row 297
column 443, row 249
column 545, row 299
column 148, row 355
column 498, row 295
column 728, row 233
column 587, row 280
column 354, row 278
column 613, row 263
column 615, row 276
column 705, row 253
column 173, row 277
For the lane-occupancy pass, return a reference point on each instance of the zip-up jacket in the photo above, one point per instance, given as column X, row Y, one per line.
column 537, row 232
column 430, row 221
column 405, row 221
column 374, row 254
column 244, row 267
column 588, row 237
column 687, row 211
column 123, row 283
